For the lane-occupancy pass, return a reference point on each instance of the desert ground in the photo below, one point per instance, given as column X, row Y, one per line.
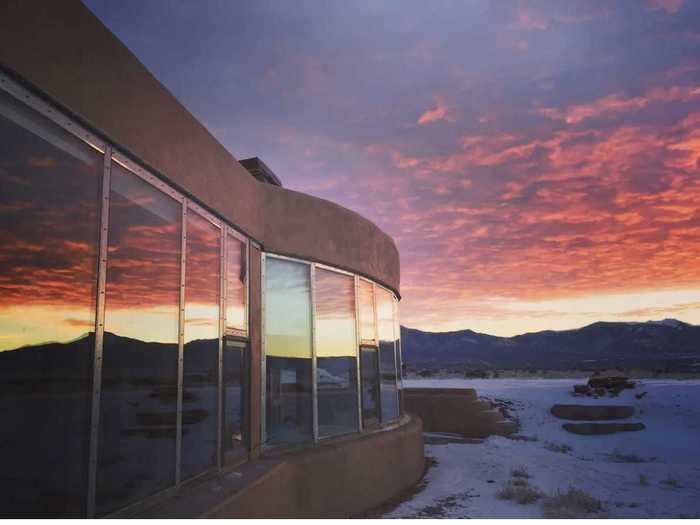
column 653, row 473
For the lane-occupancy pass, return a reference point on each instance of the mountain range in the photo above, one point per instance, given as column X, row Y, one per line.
column 668, row 345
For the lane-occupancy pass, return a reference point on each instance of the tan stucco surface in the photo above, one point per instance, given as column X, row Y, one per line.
column 338, row 479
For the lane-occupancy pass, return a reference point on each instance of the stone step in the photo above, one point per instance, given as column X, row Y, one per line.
column 488, row 416
column 462, row 393
column 592, row 412
column 599, row 429
column 506, row 428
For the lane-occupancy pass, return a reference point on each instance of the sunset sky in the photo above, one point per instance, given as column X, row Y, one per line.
column 537, row 163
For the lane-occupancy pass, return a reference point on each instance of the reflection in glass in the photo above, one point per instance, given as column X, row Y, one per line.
column 235, row 377
column 49, row 199
column 337, row 395
column 365, row 298
column 387, row 355
column 369, row 370
column 288, row 351
column 236, row 268
column 136, row 454
column 336, row 364
column 201, row 354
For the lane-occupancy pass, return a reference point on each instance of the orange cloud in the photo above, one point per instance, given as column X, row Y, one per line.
column 441, row 111
column 617, row 103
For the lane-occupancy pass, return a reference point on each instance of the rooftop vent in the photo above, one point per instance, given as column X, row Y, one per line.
column 260, row 171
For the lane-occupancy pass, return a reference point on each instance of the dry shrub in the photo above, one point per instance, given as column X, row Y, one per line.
column 571, row 504
column 618, row 457
column 522, row 494
column 562, row 448
column 672, row 481
column 520, row 472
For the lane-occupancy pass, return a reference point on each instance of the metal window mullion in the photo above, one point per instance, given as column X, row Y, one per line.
column 181, row 345
column 358, row 354
column 263, row 359
column 314, row 379
column 222, row 328
column 246, row 309
column 379, row 357
column 99, row 333
column 395, row 342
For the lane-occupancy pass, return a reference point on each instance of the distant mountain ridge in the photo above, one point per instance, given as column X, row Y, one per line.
column 668, row 344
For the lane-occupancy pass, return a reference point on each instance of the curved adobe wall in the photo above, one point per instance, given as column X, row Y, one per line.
column 64, row 50
column 307, row 227
column 339, row 479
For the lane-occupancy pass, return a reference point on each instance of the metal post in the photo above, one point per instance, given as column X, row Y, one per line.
column 181, row 344
column 379, row 360
column 358, row 353
column 222, row 328
column 314, row 379
column 99, row 333
column 263, row 363
column 397, row 351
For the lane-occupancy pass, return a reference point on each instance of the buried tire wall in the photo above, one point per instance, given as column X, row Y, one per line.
column 338, row 479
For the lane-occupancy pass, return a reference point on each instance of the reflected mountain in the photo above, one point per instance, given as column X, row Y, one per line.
column 72, row 362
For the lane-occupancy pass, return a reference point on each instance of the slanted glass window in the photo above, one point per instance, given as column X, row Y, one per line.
column 49, row 222
column 368, row 330
column 201, row 354
column 235, row 376
column 236, row 268
column 289, row 414
column 369, row 375
column 136, row 453
column 336, row 351
column 387, row 355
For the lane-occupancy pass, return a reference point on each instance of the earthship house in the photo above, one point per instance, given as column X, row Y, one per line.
column 179, row 334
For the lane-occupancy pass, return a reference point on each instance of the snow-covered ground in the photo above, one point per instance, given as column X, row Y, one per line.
column 651, row 473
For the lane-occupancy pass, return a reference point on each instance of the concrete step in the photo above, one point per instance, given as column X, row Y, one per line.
column 599, row 429
column 462, row 393
column 592, row 412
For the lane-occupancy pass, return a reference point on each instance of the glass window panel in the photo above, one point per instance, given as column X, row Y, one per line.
column 387, row 355
column 236, row 308
column 235, row 376
column 366, row 303
column 201, row 354
column 337, row 395
column 139, row 372
column 336, row 351
column 49, row 227
column 287, row 309
column 288, row 351
column 369, row 370
column 335, row 314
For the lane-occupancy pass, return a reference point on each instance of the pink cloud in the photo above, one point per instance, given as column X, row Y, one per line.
column 670, row 6
column 441, row 111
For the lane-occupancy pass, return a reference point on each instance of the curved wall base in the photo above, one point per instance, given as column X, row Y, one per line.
column 337, row 479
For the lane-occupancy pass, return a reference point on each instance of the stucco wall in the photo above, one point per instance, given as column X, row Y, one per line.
column 337, row 479
column 456, row 411
column 62, row 49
